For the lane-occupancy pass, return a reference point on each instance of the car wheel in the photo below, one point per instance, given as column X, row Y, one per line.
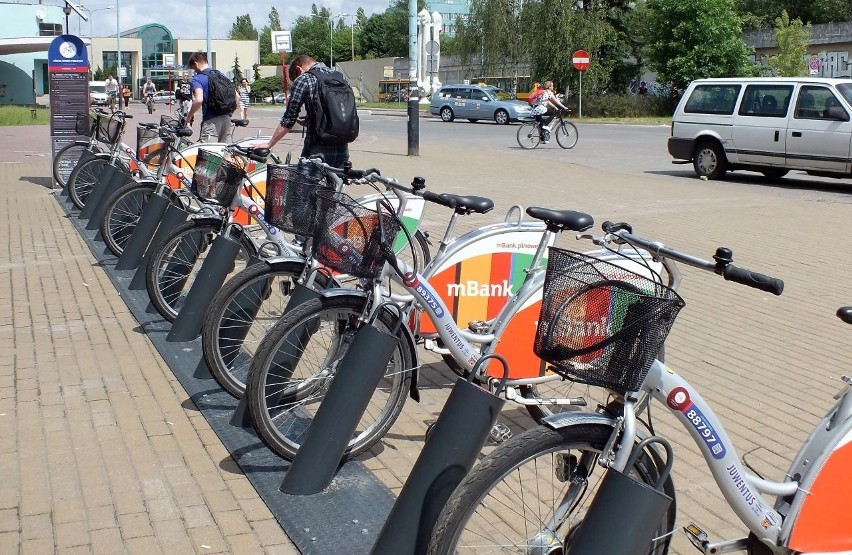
column 709, row 160
column 501, row 117
column 472, row 120
column 447, row 114
column 774, row 173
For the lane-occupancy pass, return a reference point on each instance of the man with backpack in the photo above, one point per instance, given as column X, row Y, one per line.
column 332, row 118
column 216, row 97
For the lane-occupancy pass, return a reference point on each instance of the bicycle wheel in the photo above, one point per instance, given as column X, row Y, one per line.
column 566, row 134
column 122, row 212
column 150, row 107
column 239, row 317
column 528, row 135
column 507, row 504
column 67, row 159
column 83, row 178
column 296, row 362
column 174, row 260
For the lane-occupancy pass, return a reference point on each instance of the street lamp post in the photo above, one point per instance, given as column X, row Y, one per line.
column 331, row 34
column 91, row 32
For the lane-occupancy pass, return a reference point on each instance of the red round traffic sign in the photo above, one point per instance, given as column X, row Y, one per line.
column 581, row 60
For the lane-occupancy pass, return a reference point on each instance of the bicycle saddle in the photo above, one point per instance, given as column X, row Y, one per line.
column 468, row 204
column 845, row 314
column 240, row 122
column 562, row 219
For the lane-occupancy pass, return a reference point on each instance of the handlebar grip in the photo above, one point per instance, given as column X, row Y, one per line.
column 438, row 198
column 753, row 279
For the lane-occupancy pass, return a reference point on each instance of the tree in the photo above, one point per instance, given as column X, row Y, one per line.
column 267, row 56
column 256, row 70
column 242, row 29
column 386, row 34
column 760, row 14
column 792, row 40
column 237, row 71
column 692, row 39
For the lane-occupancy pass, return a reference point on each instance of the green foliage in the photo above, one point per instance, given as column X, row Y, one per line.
column 620, row 105
column 267, row 56
column 267, row 86
column 761, row 14
column 243, row 29
column 22, row 115
column 792, row 40
column 256, row 70
column 693, row 39
column 238, row 74
column 386, row 34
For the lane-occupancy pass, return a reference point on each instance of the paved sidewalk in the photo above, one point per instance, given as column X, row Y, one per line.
column 103, row 452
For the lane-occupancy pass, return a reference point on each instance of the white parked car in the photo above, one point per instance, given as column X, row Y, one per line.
column 770, row 125
column 97, row 93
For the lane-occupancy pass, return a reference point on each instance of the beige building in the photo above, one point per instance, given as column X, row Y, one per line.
column 147, row 50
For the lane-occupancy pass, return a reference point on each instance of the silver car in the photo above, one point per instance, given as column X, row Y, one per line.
column 475, row 102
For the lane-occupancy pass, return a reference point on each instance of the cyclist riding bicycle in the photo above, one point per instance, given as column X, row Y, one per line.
column 546, row 108
column 148, row 90
column 111, row 87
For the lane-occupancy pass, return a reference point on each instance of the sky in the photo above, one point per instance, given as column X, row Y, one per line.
column 186, row 18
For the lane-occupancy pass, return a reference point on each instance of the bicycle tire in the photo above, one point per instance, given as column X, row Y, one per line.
column 567, row 134
column 528, row 135
column 231, row 314
column 83, row 178
column 174, row 259
column 483, row 496
column 67, row 159
column 281, row 425
column 122, row 212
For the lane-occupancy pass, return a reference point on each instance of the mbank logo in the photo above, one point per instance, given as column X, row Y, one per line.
column 473, row 288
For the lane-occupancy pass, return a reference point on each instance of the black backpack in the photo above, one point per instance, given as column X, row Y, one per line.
column 335, row 117
column 221, row 94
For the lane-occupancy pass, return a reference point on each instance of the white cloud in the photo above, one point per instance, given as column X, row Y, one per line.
column 186, row 18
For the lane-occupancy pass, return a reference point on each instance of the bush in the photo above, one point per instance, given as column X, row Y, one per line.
column 621, row 105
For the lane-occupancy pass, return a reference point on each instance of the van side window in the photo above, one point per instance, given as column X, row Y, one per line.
column 813, row 102
column 766, row 100
column 712, row 99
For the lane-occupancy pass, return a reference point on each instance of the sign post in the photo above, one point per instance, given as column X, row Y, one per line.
column 169, row 62
column 282, row 43
column 68, row 66
column 581, row 60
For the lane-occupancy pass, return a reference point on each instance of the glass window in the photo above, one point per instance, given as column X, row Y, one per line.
column 766, row 100
column 814, row 102
column 463, row 93
column 712, row 99
column 846, row 91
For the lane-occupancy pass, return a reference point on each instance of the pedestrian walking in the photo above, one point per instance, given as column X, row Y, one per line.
column 244, row 90
column 215, row 96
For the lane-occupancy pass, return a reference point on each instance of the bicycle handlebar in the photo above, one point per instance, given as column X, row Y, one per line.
column 722, row 264
column 252, row 153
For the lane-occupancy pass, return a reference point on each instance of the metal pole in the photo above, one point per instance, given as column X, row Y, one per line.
column 580, row 101
column 352, row 30
column 209, row 49
column 413, row 99
column 331, row 41
column 118, row 42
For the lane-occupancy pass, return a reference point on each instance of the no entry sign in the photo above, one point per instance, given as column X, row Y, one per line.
column 581, row 60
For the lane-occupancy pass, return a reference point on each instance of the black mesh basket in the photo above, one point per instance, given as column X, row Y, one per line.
column 150, row 147
column 600, row 323
column 109, row 129
column 83, row 125
column 289, row 203
column 214, row 179
column 348, row 236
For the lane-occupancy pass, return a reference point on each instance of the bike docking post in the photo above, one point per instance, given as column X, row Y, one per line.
column 285, row 359
column 450, row 451
column 118, row 180
column 337, row 417
column 208, row 281
column 135, row 247
column 172, row 218
column 98, row 191
column 625, row 514
column 84, row 157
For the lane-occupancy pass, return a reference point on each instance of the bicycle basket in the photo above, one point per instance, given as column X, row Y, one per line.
column 214, row 179
column 167, row 119
column 348, row 237
column 600, row 323
column 109, row 129
column 83, row 124
column 289, row 204
column 150, row 147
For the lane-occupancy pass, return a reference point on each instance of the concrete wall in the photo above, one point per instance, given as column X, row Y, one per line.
column 224, row 52
column 364, row 75
column 16, row 70
column 830, row 43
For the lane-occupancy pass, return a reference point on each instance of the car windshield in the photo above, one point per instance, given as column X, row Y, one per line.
column 846, row 90
column 97, row 88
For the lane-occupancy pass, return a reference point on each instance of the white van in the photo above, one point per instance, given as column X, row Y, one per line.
column 770, row 125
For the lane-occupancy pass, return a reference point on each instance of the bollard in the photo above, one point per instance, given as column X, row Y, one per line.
column 173, row 217
column 625, row 514
column 215, row 268
column 451, row 448
column 337, row 417
column 284, row 359
column 98, row 190
column 139, row 240
column 119, row 179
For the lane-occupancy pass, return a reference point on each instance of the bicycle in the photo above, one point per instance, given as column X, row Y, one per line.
column 113, row 99
column 565, row 457
column 149, row 102
column 291, row 368
column 531, row 133
column 69, row 156
column 250, row 302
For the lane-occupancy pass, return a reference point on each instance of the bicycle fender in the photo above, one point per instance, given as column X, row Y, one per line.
column 200, row 218
column 407, row 335
column 572, row 418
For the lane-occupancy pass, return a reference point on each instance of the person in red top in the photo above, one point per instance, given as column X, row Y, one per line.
column 546, row 108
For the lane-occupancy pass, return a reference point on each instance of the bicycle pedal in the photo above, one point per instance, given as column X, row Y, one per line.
column 500, row 432
column 696, row 535
column 478, row 327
